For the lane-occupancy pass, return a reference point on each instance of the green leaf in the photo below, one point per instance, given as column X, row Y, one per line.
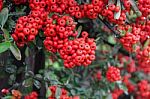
column 11, row 68
column 147, row 42
column 48, row 93
column 117, row 15
column 79, row 30
column 58, row 93
column 4, row 46
column 37, row 84
column 135, row 8
column 3, row 16
column 10, row 24
column 28, row 82
column 111, row 40
column 38, row 76
column 72, row 92
column 12, row 79
column 79, row 1
column 56, row 65
column 27, row 52
column 124, row 88
column 15, row 51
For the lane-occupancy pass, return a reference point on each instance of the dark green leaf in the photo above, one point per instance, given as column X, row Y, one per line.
column 37, row 84
column 27, row 52
column 10, row 24
column 4, row 46
column 11, row 68
column 20, row 70
column 12, row 79
column 3, row 16
column 38, row 76
column 28, row 82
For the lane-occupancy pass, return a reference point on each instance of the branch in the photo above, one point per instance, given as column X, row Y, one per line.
column 124, row 52
column 109, row 27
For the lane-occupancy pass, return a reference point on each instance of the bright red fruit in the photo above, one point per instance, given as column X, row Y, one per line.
column 113, row 74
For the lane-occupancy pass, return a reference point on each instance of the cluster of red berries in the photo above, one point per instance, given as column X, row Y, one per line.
column 38, row 4
column 27, row 27
column 87, row 10
column 113, row 74
column 77, row 52
column 144, row 29
column 129, row 40
column 116, row 93
column 20, row 1
column 143, row 90
column 69, row 6
column 63, row 95
column 109, row 12
column 59, row 6
column 32, row 95
column 79, row 11
column 144, row 59
column 92, row 10
column 58, row 30
column 139, row 33
column 74, row 9
column 1, row 4
column 144, row 7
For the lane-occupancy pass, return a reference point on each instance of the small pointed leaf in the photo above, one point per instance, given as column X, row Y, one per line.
column 3, row 16
column 135, row 8
column 117, row 15
column 15, row 51
column 58, row 93
column 79, row 30
column 48, row 93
